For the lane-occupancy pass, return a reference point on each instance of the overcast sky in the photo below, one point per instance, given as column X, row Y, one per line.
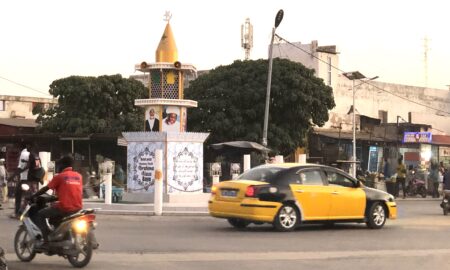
column 45, row 40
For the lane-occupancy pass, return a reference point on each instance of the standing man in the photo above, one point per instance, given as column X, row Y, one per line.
column 152, row 123
column 401, row 178
column 22, row 170
column 434, row 177
column 386, row 169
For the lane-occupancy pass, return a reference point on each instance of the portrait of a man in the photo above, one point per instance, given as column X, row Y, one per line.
column 152, row 122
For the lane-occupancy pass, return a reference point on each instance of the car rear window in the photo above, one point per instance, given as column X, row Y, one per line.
column 264, row 174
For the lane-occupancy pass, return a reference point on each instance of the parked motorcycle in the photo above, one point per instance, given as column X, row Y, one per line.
column 71, row 237
column 416, row 186
column 445, row 204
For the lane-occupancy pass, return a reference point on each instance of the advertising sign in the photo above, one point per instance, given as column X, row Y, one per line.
column 417, row 137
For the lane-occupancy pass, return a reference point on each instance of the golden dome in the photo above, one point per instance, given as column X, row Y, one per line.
column 167, row 49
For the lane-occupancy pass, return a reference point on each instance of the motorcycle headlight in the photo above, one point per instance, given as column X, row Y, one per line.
column 390, row 198
column 80, row 226
column 445, row 200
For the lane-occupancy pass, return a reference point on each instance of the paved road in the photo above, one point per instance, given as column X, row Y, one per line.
column 419, row 239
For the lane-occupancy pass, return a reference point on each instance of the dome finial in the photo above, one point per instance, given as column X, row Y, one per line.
column 167, row 16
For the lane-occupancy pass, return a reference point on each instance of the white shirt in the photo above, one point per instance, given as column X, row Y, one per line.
column 151, row 122
column 23, row 162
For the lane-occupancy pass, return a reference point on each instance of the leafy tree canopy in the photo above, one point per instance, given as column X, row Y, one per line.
column 93, row 105
column 232, row 102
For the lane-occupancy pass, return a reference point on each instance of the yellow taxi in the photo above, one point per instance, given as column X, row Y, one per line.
column 289, row 194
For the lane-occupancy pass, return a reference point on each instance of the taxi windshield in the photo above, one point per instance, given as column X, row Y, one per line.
column 264, row 174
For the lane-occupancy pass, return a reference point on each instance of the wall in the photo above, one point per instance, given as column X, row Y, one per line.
column 369, row 99
column 16, row 106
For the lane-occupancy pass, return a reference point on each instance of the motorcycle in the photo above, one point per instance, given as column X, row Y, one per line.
column 71, row 237
column 445, row 204
column 416, row 186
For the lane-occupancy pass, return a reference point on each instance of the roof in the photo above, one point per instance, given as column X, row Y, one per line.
column 441, row 139
column 18, row 122
column 359, row 136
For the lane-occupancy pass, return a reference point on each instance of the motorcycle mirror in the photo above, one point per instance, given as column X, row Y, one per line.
column 25, row 187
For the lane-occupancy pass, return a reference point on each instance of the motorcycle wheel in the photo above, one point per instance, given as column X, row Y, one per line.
column 84, row 257
column 423, row 192
column 24, row 245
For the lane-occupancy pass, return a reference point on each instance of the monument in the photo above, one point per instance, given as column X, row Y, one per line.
column 165, row 128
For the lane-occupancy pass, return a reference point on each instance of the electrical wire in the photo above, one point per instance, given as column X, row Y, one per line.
column 25, row 86
column 362, row 81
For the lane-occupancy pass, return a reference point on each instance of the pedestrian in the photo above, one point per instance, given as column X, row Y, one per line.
column 386, row 169
column 3, row 186
column 446, row 180
column 401, row 178
column 22, row 171
column 434, row 177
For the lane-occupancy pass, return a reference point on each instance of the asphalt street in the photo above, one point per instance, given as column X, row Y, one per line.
column 418, row 239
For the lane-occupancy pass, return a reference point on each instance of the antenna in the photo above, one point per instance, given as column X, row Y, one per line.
column 426, row 49
column 247, row 37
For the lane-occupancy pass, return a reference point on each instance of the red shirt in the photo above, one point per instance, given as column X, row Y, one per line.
column 69, row 188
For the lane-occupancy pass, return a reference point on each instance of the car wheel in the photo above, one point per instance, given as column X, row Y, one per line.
column 238, row 223
column 376, row 217
column 286, row 218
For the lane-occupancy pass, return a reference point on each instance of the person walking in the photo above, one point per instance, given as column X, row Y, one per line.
column 401, row 178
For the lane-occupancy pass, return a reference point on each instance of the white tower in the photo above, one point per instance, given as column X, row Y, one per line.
column 247, row 37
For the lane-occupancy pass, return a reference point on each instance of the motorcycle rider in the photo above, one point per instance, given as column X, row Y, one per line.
column 68, row 186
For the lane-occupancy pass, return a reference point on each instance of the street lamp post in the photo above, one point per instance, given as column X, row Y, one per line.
column 355, row 75
column 278, row 20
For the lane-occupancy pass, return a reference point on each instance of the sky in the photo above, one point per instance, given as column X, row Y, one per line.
column 42, row 41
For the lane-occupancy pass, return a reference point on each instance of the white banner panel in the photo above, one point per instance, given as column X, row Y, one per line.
column 141, row 166
column 184, row 167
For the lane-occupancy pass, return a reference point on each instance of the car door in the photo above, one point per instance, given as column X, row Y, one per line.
column 311, row 193
column 348, row 200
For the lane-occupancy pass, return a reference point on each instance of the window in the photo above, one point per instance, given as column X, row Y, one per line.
column 2, row 105
column 335, row 178
column 265, row 174
column 383, row 115
column 311, row 178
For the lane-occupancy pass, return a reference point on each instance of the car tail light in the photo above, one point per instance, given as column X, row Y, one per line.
column 250, row 191
column 214, row 189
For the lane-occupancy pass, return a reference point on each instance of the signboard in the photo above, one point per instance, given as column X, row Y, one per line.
column 417, row 137
column 444, row 151
column 184, row 167
column 141, row 166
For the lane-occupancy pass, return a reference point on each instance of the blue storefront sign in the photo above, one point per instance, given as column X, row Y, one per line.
column 417, row 137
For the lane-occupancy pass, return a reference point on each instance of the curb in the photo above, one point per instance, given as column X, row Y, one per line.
column 150, row 213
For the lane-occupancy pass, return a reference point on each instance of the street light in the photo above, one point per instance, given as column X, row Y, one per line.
column 278, row 20
column 355, row 75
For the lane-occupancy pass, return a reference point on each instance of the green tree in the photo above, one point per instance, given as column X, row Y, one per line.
column 93, row 105
column 231, row 103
